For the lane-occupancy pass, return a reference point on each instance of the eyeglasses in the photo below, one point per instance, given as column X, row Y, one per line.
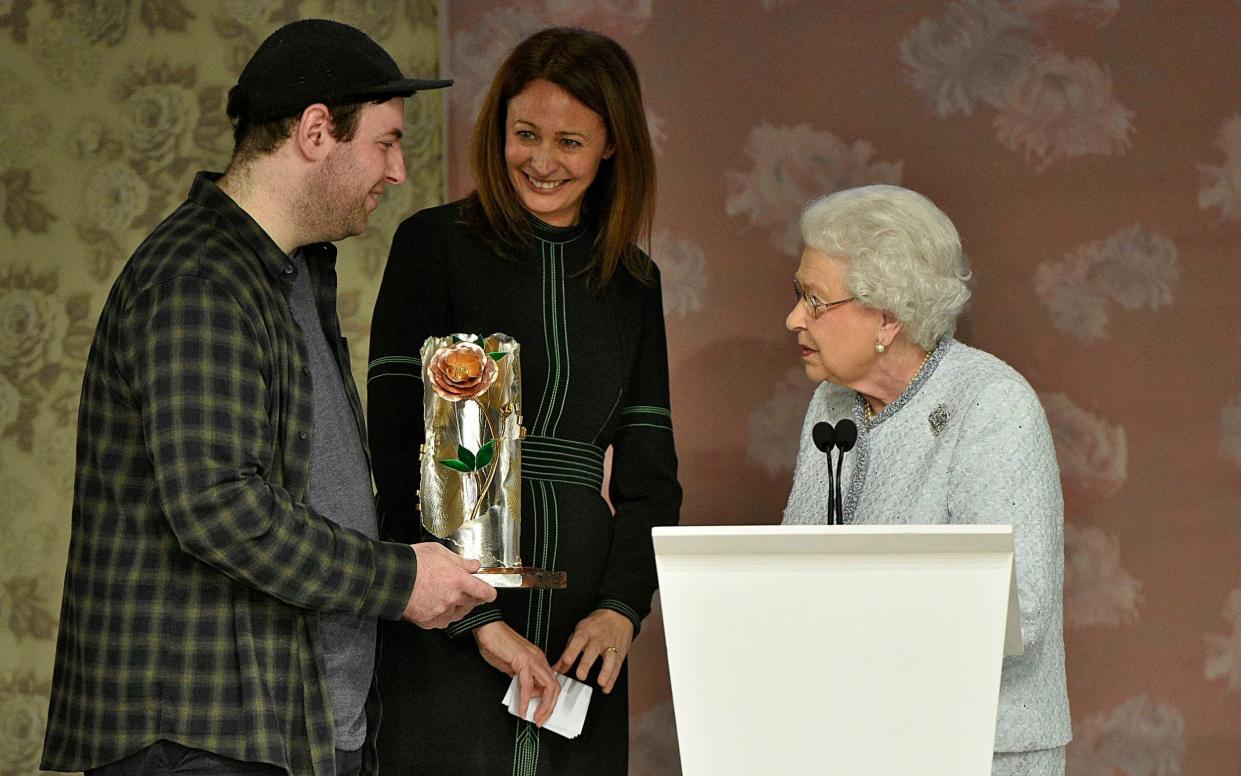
column 813, row 303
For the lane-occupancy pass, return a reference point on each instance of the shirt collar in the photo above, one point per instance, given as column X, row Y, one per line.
column 207, row 194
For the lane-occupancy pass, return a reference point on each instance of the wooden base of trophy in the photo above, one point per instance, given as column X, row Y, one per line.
column 524, row 576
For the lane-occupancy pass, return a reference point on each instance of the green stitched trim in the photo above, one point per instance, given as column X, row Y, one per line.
column 371, row 378
column 564, row 331
column 526, row 749
column 471, row 622
column 386, row 360
column 575, row 463
column 415, row 360
column 553, row 468
column 564, row 444
column 539, row 500
column 623, row 608
column 644, row 425
column 547, row 344
column 585, row 483
column 642, row 408
column 591, row 455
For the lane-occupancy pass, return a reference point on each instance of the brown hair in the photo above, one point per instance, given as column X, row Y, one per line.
column 251, row 141
column 598, row 73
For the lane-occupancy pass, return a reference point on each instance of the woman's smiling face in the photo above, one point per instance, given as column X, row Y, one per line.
column 553, row 148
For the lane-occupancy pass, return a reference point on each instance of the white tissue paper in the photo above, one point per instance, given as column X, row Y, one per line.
column 570, row 712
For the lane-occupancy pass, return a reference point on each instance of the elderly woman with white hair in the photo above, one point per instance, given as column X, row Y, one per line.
column 947, row 434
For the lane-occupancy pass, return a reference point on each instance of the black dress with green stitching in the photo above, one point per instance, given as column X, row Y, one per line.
column 594, row 375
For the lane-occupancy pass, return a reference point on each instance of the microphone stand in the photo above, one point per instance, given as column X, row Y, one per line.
column 825, row 439
column 846, row 438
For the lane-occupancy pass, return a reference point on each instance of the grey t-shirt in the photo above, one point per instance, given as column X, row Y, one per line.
column 340, row 489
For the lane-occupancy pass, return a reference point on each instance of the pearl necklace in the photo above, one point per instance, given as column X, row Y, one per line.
column 868, row 414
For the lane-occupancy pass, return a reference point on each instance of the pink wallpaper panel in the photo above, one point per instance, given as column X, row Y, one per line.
column 1089, row 151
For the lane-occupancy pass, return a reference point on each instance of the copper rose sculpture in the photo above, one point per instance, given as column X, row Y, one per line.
column 470, row 492
column 462, row 370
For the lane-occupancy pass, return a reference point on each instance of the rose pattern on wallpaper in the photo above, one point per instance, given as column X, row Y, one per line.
column 23, row 717
column 1097, row 589
column 774, row 427
column 614, row 18
column 1063, row 107
column 1136, row 267
column 476, row 53
column 683, row 272
column 987, row 52
column 23, row 185
column 1220, row 185
column 1224, row 658
column 25, row 610
column 790, row 166
column 1140, row 737
column 974, row 53
column 43, row 338
column 659, row 135
column 26, row 552
column 1230, row 429
column 1092, row 453
column 243, row 24
column 1097, row 13
column 107, row 21
column 13, row 18
column 136, row 167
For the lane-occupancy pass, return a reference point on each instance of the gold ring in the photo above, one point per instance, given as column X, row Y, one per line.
column 610, row 649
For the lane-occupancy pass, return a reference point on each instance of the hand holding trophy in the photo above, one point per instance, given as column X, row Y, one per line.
column 471, row 457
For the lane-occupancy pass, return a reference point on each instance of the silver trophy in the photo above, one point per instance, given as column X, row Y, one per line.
column 471, row 457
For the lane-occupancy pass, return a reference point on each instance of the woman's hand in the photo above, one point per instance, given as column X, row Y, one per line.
column 504, row 649
column 602, row 633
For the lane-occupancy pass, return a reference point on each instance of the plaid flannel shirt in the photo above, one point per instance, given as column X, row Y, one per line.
column 196, row 569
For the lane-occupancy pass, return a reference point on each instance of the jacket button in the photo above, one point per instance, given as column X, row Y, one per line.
column 302, row 435
column 288, row 269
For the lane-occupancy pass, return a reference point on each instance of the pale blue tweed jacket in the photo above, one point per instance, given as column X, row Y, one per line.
column 967, row 443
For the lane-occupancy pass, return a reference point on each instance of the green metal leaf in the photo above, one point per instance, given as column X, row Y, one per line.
column 467, row 457
column 497, row 356
column 453, row 463
column 485, row 454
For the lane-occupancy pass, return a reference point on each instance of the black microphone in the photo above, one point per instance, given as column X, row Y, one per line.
column 825, row 439
column 846, row 438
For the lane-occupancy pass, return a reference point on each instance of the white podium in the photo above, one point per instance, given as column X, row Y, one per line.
column 850, row 650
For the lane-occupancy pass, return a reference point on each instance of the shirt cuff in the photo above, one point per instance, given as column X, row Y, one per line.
column 623, row 608
column 478, row 617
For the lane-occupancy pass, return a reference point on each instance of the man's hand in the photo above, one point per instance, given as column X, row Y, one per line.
column 444, row 591
column 504, row 649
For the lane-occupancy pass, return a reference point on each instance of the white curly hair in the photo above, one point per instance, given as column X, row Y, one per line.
column 900, row 253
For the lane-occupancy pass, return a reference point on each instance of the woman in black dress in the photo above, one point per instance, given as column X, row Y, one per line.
column 545, row 250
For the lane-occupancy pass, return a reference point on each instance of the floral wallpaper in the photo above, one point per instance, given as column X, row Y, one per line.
column 1090, row 153
column 113, row 105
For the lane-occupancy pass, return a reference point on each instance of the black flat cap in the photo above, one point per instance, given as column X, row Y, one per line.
column 317, row 60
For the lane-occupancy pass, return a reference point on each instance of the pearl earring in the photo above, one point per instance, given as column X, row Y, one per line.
column 880, row 347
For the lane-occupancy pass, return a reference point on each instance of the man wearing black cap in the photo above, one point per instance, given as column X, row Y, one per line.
column 224, row 574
